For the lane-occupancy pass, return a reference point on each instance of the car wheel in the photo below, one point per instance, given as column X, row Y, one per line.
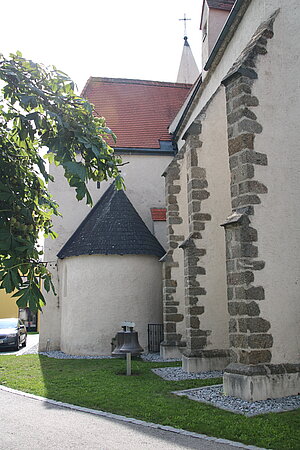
column 25, row 342
column 18, row 345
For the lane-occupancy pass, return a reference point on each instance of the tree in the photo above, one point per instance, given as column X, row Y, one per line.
column 39, row 109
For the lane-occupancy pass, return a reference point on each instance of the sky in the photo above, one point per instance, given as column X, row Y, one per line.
column 113, row 38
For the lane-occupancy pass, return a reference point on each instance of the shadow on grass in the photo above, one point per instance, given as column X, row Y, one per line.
column 96, row 384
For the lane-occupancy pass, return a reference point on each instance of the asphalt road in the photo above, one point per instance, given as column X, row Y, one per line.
column 31, row 424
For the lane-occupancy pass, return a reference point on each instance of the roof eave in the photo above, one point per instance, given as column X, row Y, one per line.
column 175, row 125
column 233, row 20
column 85, row 86
column 144, row 151
column 202, row 12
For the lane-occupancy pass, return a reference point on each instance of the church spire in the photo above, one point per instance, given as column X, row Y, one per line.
column 188, row 71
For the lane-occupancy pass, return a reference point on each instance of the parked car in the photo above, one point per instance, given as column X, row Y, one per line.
column 13, row 333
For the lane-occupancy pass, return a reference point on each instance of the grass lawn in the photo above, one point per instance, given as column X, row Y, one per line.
column 101, row 384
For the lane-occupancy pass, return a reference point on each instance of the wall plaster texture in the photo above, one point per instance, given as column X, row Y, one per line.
column 215, row 21
column 277, row 218
column 144, row 188
column 265, row 242
column 270, row 188
column 99, row 292
column 257, row 12
column 212, row 155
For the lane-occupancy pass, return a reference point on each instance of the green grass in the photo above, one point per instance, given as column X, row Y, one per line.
column 101, row 384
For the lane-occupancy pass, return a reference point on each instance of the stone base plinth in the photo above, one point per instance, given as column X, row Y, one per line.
column 206, row 361
column 252, row 383
column 168, row 351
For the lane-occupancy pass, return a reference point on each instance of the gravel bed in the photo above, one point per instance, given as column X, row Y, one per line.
column 62, row 355
column 177, row 374
column 214, row 396
column 150, row 357
column 155, row 357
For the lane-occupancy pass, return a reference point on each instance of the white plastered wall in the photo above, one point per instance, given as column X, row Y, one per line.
column 145, row 189
column 216, row 21
column 99, row 292
column 257, row 12
column 277, row 218
column 213, row 156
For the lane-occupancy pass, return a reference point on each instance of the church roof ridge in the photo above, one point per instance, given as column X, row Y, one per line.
column 135, row 81
column 112, row 227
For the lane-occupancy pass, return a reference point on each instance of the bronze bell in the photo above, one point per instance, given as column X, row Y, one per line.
column 131, row 343
column 120, row 342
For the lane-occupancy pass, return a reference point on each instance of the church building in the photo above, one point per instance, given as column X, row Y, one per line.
column 232, row 266
column 105, row 261
column 222, row 222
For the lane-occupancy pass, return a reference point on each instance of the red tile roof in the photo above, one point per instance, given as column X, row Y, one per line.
column 139, row 112
column 221, row 4
column 159, row 214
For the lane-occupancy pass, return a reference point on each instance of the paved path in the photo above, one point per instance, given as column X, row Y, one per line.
column 34, row 424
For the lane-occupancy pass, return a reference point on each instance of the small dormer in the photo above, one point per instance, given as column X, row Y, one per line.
column 213, row 17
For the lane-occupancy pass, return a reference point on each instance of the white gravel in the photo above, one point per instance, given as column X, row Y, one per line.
column 177, row 374
column 150, row 357
column 62, row 355
column 214, row 396
column 155, row 357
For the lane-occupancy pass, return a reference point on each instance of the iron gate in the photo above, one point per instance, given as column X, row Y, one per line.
column 155, row 336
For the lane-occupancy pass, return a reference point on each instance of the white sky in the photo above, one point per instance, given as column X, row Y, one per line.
column 113, row 38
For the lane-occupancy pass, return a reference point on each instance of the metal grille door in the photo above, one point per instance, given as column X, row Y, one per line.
column 155, row 336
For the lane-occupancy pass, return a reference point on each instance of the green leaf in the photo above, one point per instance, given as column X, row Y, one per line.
column 6, row 244
column 76, row 168
column 39, row 108
column 18, row 293
column 16, row 279
column 47, row 283
column 52, row 287
column 5, row 195
column 7, row 283
column 23, row 301
column 81, row 191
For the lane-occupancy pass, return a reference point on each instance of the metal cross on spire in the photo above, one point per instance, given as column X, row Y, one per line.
column 185, row 20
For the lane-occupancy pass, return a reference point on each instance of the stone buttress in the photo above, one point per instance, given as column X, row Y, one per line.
column 173, row 301
column 195, row 300
column 251, row 374
column 203, row 351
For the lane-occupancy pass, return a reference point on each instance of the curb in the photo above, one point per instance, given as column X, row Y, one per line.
column 131, row 420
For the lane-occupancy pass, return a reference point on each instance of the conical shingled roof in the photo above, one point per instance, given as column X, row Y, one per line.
column 113, row 227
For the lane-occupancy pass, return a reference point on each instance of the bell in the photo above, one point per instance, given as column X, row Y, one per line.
column 120, row 342
column 131, row 344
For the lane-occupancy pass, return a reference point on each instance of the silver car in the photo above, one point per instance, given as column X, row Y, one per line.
column 13, row 333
